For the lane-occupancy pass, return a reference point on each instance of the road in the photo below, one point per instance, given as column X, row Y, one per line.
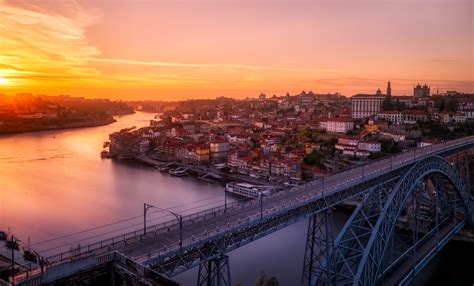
column 164, row 238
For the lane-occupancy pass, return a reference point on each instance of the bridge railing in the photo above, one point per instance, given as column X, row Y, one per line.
column 316, row 189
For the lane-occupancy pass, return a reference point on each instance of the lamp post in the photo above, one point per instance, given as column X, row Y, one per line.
column 261, row 205
column 13, row 259
column 179, row 217
column 225, row 201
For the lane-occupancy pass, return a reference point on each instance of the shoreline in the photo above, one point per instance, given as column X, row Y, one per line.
column 86, row 124
column 57, row 128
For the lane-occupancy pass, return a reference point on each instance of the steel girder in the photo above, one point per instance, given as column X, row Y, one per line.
column 215, row 272
column 349, row 245
column 360, row 247
column 176, row 262
column 318, row 245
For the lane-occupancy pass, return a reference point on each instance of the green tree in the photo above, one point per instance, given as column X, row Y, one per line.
column 387, row 104
column 377, row 155
column 451, row 104
column 313, row 159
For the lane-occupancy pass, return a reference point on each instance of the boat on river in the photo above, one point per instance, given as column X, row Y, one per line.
column 179, row 172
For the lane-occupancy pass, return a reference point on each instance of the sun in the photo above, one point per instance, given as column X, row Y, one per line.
column 3, row 81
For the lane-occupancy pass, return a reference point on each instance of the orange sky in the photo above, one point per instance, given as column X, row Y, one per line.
column 168, row 50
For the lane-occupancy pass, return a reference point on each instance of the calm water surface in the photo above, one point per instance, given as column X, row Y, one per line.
column 54, row 183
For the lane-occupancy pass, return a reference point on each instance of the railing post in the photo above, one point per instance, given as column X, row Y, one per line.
column 180, row 220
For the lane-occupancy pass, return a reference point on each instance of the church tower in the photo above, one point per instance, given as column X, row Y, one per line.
column 389, row 91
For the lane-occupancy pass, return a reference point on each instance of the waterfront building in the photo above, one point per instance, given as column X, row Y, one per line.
column 218, row 149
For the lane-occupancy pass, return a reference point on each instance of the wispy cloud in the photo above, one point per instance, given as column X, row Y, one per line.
column 191, row 65
column 35, row 41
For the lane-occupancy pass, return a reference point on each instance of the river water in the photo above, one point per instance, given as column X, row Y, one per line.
column 54, row 183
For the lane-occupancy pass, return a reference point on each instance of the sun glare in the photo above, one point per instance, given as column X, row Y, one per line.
column 3, row 81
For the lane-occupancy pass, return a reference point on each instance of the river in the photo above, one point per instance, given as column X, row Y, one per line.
column 54, row 183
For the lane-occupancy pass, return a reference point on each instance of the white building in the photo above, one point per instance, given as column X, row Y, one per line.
column 364, row 105
column 370, row 146
column 394, row 117
column 453, row 117
column 355, row 147
column 339, row 125
column 468, row 113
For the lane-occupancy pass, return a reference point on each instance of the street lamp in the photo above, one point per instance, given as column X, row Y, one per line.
column 14, row 243
column 179, row 217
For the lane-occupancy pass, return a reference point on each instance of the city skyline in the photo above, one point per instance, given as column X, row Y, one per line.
column 165, row 50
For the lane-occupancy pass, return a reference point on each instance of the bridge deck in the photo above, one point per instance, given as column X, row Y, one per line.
column 409, row 266
column 163, row 239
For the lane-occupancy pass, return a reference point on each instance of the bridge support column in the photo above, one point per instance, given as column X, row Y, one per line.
column 215, row 272
column 319, row 244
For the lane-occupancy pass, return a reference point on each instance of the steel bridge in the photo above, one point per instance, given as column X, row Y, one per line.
column 411, row 205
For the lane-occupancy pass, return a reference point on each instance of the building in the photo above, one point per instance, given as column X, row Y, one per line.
column 338, row 125
column 397, row 137
column 202, row 154
column 428, row 142
column 403, row 117
column 468, row 113
column 413, row 116
column 421, row 91
column 394, row 117
column 365, row 105
column 355, row 147
column 306, row 99
column 452, row 117
column 369, row 146
column 218, row 150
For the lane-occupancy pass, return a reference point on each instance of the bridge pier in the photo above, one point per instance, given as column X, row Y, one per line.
column 319, row 244
column 215, row 272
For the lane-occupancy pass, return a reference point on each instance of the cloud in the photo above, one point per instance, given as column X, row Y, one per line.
column 190, row 65
column 38, row 41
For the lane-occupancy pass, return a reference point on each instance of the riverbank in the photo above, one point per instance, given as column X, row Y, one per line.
column 203, row 173
column 24, row 128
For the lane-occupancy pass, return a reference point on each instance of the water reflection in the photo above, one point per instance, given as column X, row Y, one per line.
column 54, row 182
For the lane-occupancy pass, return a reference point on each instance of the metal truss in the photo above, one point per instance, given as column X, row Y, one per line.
column 177, row 262
column 318, row 247
column 215, row 272
column 360, row 249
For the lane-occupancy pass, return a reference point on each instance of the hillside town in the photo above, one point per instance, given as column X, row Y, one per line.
column 292, row 138
column 27, row 112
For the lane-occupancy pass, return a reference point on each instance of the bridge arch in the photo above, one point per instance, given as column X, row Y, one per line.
column 358, row 253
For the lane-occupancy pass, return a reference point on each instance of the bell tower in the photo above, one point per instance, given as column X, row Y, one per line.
column 389, row 91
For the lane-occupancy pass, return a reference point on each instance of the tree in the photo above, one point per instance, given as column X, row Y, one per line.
column 451, row 104
column 313, row 159
column 376, row 155
column 387, row 104
column 273, row 281
column 400, row 105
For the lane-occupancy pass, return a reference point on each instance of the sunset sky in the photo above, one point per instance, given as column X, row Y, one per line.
column 168, row 50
